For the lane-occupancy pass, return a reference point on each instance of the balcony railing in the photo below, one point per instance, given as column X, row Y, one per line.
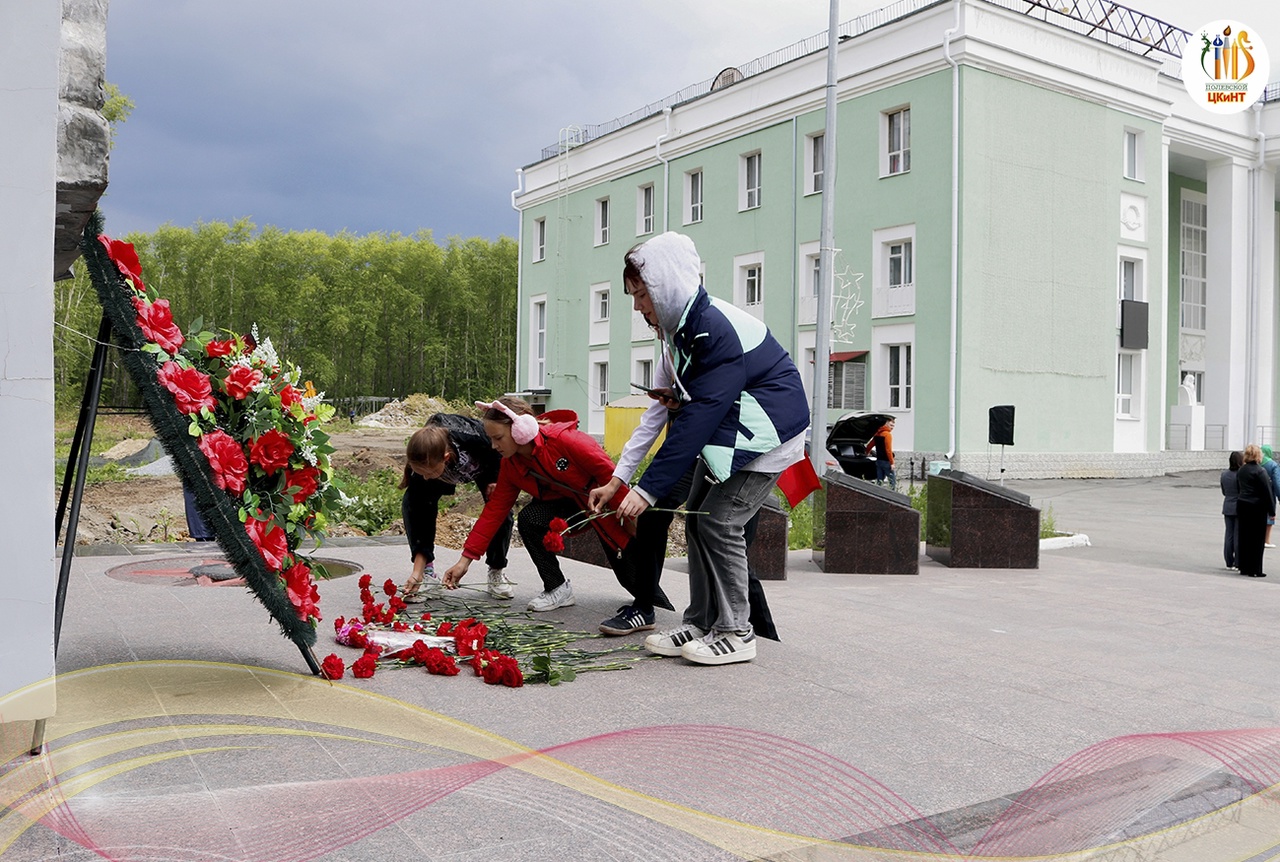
column 893, row 301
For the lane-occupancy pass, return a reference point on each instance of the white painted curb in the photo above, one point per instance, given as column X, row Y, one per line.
column 1075, row 540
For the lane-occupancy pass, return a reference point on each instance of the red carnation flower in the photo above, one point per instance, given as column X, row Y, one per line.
column 364, row 581
column 190, row 387
column 240, row 381
column 156, row 322
column 270, row 541
column 440, row 663
column 223, row 347
column 306, row 480
column 364, row 666
column 226, row 458
column 271, row 451
column 553, row 542
column 333, row 667
column 389, row 587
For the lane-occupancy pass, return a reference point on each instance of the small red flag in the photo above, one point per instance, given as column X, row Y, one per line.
column 798, row 481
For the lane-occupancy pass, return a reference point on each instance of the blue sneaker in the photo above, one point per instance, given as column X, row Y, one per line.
column 628, row 619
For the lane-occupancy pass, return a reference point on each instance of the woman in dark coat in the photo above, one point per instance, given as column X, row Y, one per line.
column 1230, row 483
column 1255, row 503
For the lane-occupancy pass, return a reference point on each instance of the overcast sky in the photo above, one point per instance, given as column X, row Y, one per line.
column 399, row 115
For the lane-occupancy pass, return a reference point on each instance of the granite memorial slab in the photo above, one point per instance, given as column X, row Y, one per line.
column 976, row 524
column 870, row 530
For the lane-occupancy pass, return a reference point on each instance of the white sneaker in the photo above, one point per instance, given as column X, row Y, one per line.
column 499, row 586
column 720, row 648
column 669, row 642
column 549, row 600
column 431, row 587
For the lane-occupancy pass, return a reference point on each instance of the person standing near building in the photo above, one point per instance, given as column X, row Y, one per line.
column 1255, row 502
column 882, row 442
column 742, row 421
column 1230, row 483
column 1273, row 473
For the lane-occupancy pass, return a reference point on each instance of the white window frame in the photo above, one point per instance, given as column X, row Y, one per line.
column 693, row 193
column 901, row 263
column 602, row 221
column 1132, row 157
column 750, row 167
column 1198, row 377
column 539, row 240
column 600, row 305
column 644, row 372
column 600, row 383
column 895, row 157
column 1193, row 262
column 899, row 376
column 644, row 209
column 538, row 342
column 893, row 298
column 1128, row 384
column 743, row 265
column 814, row 162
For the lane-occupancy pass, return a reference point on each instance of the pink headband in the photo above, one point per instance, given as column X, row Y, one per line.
column 524, row 428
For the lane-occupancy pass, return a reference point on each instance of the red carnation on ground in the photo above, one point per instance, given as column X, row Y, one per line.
column 271, row 451
column 365, row 666
column 470, row 635
column 306, row 480
column 270, row 541
column 389, row 587
column 226, row 459
column 440, row 663
column 364, row 581
column 240, row 382
column 155, row 319
column 190, row 387
column 333, row 667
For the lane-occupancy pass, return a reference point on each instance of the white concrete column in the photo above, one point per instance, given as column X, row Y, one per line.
column 1169, row 298
column 1264, row 282
column 1228, row 376
column 29, row 55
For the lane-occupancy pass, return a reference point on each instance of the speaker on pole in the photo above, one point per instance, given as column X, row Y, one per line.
column 1000, row 425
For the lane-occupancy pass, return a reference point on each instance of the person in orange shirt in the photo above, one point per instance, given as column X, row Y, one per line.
column 883, row 443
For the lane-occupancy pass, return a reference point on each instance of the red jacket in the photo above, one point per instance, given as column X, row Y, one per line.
column 565, row 464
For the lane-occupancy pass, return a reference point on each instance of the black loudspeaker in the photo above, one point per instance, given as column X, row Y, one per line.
column 1000, row 425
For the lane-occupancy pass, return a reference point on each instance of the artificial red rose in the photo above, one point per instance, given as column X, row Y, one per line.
column 191, row 389
column 223, row 347
column 125, row 257
column 389, row 587
column 241, row 380
column 502, row 670
column 271, row 451
column 333, row 667
column 301, row 590
column 306, row 480
column 226, row 459
column 269, row 539
column 289, row 396
column 365, row 580
column 441, row 664
column 156, row 322
column 364, row 666
column 512, row 676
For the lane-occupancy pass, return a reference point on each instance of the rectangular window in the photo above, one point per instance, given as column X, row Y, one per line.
column 753, row 284
column 602, row 305
column 602, row 384
column 846, row 385
column 817, row 162
column 899, row 376
column 1130, row 279
column 900, row 264
column 539, row 344
column 693, row 195
column 1197, row 378
column 751, row 186
column 898, row 141
column 644, row 207
column 644, row 373
column 1131, row 155
column 1126, row 384
column 602, row 221
column 1194, row 264
column 815, row 275
column 539, row 240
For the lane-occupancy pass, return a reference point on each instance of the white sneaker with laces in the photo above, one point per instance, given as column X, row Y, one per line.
column 720, row 648
column 549, row 600
column 499, row 586
column 669, row 642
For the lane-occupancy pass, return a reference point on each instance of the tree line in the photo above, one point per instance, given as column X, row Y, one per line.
column 380, row 314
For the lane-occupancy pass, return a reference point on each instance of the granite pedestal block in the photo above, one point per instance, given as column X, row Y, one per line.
column 976, row 524
column 585, row 547
column 870, row 530
column 767, row 553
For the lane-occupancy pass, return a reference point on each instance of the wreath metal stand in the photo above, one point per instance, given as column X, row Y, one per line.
column 77, row 466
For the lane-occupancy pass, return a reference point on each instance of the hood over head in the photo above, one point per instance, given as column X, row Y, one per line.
column 671, row 270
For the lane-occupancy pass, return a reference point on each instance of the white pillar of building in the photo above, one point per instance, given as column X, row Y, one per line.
column 1228, row 377
column 1264, row 262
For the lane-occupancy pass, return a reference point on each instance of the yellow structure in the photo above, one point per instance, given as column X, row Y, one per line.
column 621, row 417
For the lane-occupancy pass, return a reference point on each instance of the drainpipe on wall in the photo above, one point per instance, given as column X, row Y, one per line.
column 1252, row 417
column 666, row 168
column 955, row 228
column 517, row 191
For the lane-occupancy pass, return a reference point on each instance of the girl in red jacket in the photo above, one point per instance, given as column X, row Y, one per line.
column 558, row 466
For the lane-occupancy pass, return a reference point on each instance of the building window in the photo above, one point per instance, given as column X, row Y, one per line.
column 1127, row 369
column 1133, row 155
column 753, row 288
column 1194, row 261
column 1197, row 378
column 539, row 345
column 539, row 240
column 1130, row 279
column 901, row 264
column 815, row 162
column 847, row 385
column 898, row 141
column 693, row 197
column 644, row 373
column 899, row 374
column 644, row 209
column 602, row 304
column 750, row 198
column 602, row 221
column 602, row 384
column 815, row 275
